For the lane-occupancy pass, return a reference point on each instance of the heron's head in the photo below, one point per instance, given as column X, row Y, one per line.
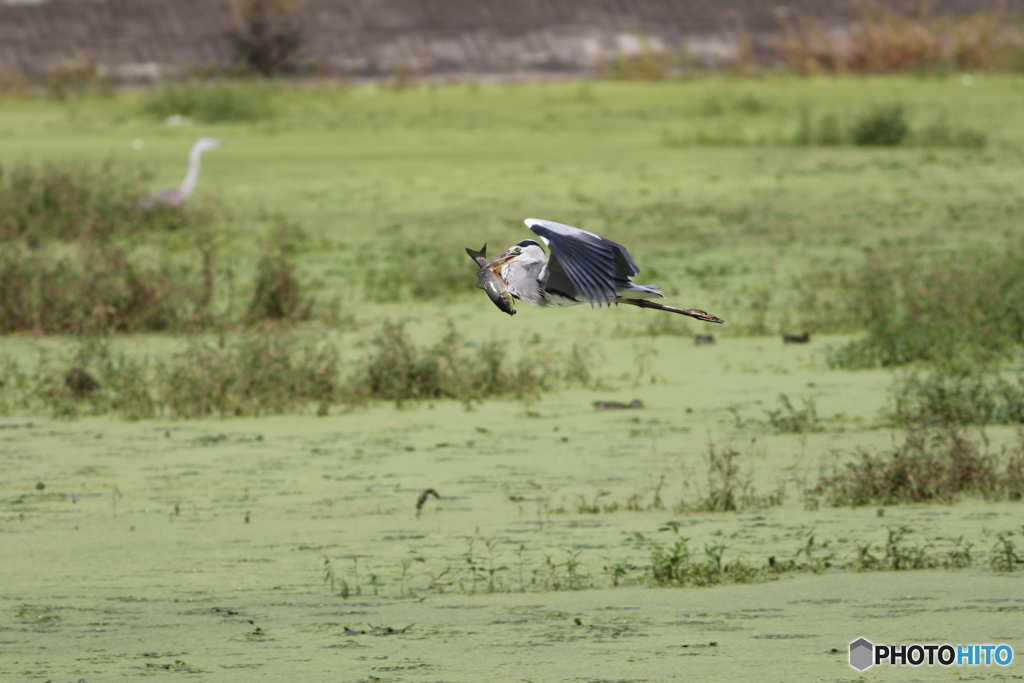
column 510, row 254
column 203, row 144
column 527, row 250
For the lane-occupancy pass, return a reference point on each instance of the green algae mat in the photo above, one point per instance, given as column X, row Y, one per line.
column 292, row 546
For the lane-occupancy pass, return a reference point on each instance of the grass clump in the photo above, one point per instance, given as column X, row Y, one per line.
column 675, row 564
column 70, row 200
column 107, row 288
column 884, row 126
column 930, row 465
column 788, row 419
column 729, row 489
column 278, row 294
column 400, row 371
column 952, row 310
column 218, row 103
column 271, row 371
column 261, row 374
column 881, row 126
column 99, row 288
column 79, row 255
column 1004, row 556
column 898, row 554
column 958, row 399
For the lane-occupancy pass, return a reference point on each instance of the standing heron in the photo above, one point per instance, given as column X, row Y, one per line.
column 176, row 196
column 582, row 268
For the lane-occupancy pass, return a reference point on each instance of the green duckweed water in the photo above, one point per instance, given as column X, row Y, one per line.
column 214, row 563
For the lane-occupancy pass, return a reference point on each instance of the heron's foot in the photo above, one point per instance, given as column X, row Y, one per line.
column 702, row 315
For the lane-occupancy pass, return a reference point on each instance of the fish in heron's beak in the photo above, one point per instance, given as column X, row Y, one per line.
column 501, row 260
column 488, row 279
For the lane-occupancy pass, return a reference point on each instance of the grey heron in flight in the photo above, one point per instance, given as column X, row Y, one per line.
column 582, row 268
column 176, row 196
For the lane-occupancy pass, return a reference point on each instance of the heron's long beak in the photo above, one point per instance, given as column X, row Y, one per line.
column 501, row 260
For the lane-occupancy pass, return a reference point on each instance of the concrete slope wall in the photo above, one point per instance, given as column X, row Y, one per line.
column 373, row 37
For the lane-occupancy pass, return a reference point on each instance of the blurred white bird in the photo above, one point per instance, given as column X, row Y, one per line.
column 176, row 196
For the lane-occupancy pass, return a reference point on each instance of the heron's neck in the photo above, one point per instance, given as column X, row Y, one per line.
column 525, row 281
column 188, row 186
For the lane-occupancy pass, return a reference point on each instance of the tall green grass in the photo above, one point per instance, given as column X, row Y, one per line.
column 940, row 398
column 100, row 288
column 272, row 370
column 71, row 200
column 215, row 103
column 955, row 310
column 78, row 254
column 930, row 465
column 399, row 370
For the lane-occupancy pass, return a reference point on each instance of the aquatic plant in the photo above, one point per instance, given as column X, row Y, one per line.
column 898, row 554
column 787, row 419
column 928, row 309
column 881, row 126
column 88, row 201
column 675, row 565
column 957, row 398
column 930, row 464
column 401, row 371
column 1003, row 556
column 729, row 488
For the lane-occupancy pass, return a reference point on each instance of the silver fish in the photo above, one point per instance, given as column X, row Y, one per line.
column 488, row 279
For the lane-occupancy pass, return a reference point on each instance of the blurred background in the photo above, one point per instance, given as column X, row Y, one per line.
column 148, row 40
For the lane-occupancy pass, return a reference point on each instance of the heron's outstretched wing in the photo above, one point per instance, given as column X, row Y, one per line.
column 595, row 266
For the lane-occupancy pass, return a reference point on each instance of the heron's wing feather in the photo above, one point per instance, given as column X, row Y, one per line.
column 559, row 281
column 593, row 264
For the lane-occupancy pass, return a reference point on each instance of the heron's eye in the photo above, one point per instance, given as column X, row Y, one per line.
column 517, row 250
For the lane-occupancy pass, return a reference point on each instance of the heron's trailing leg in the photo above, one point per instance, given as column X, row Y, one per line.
column 692, row 312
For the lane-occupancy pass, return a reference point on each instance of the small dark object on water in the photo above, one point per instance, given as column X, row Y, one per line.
column 423, row 498
column 616, row 405
column 704, row 340
column 796, row 338
column 80, row 382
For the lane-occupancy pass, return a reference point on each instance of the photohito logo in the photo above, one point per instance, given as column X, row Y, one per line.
column 865, row 654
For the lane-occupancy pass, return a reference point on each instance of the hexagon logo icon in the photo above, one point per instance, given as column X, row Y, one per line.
column 861, row 654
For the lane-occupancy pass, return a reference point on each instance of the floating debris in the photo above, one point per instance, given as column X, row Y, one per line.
column 616, row 405
column 421, row 501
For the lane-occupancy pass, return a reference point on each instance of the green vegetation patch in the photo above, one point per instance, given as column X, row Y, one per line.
column 930, row 465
